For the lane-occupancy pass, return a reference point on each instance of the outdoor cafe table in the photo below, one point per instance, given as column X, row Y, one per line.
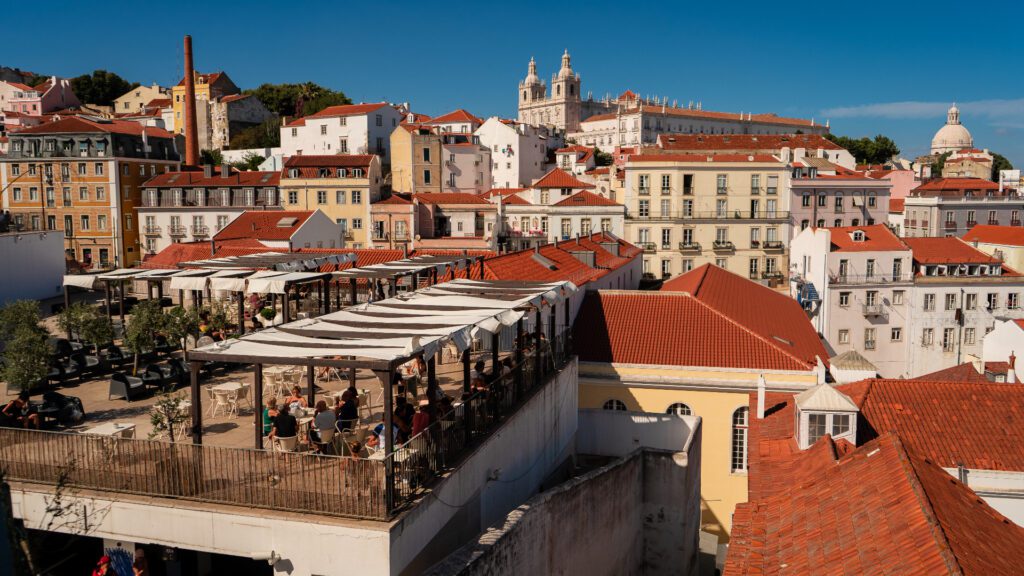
column 228, row 387
column 113, row 429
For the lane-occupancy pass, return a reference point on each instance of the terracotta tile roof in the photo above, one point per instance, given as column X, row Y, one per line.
column 263, row 225
column 395, row 199
column 180, row 252
column 1007, row 235
column 502, row 192
column 947, row 250
column 523, row 265
column 773, row 142
column 966, row 372
column 677, row 330
column 442, row 198
column 159, row 103
column 197, row 178
column 511, row 199
column 79, row 124
column 956, row 187
column 583, row 152
column 896, row 205
column 341, row 110
column 776, row 318
column 558, row 178
column 206, row 78
column 587, row 198
column 673, row 157
column 20, row 86
column 880, row 509
column 455, row 116
column 309, row 166
column 877, row 238
column 655, row 110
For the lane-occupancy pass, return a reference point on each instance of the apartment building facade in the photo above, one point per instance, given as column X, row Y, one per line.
column 731, row 210
column 827, row 195
column 84, row 177
column 952, row 206
column 345, row 129
column 194, row 206
column 910, row 306
column 429, row 159
column 341, row 186
column 518, row 151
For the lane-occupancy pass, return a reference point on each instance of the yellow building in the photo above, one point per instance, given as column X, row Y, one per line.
column 698, row 347
column 688, row 209
column 208, row 87
column 135, row 100
column 341, row 186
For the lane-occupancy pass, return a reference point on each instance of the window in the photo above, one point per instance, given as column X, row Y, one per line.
column 321, row 197
column 644, row 183
column 16, row 192
column 666, row 268
column 822, row 200
column 840, row 424
column 929, row 302
column 293, row 197
column 101, row 193
column 644, row 208
column 81, row 168
column 869, row 269
column 323, row 129
column 380, row 120
column 606, row 224
column 869, row 338
column 753, row 266
column 343, row 145
column 871, row 297
column 357, row 223
column 805, row 200
column 739, row 439
column 897, row 297
column 585, row 226
column 721, row 208
column 897, row 268
column 83, row 193
column 339, row 197
column 687, row 208
column 755, row 237
column 896, row 334
column 871, row 201
column 679, row 409
column 992, row 301
column 969, row 336
column 426, row 176
column 426, row 154
column 1012, row 301
column 666, row 183
column 357, row 197
column 101, row 222
column 755, row 183
column 950, row 301
column 844, row 336
column 816, row 426
column 128, row 222
column 722, row 183
column 615, row 405
column 84, row 223
column 970, row 301
column 948, row 339
column 844, row 299
column 666, row 208
column 927, row 337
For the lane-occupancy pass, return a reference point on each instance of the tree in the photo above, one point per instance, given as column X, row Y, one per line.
column 146, row 322
column 999, row 162
column 86, row 322
column 26, row 356
column 297, row 99
column 602, row 158
column 865, row 150
column 264, row 135
column 250, row 161
column 168, row 415
column 211, row 157
column 16, row 314
column 939, row 164
column 180, row 323
column 101, row 87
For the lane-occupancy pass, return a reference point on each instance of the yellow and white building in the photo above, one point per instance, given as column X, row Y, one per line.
column 341, row 186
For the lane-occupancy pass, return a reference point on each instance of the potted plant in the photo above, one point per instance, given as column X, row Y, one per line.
column 146, row 321
column 168, row 415
column 25, row 349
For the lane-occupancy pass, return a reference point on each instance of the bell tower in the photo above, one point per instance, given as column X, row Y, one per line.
column 565, row 93
column 531, row 89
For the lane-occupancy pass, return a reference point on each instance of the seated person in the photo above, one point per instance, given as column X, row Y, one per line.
column 376, row 439
column 403, row 415
column 285, row 425
column 423, row 417
column 296, row 401
column 269, row 413
column 323, row 419
column 348, row 411
column 21, row 411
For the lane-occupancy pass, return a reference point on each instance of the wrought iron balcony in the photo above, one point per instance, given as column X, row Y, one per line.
column 724, row 245
column 200, row 231
column 152, row 230
column 689, row 247
column 874, row 310
column 177, row 230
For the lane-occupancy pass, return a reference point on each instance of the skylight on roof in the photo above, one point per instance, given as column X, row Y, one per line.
column 287, row 222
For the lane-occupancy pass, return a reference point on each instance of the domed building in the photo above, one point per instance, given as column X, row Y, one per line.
column 953, row 136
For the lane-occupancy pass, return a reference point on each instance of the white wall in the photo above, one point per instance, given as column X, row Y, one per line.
column 33, row 265
column 618, row 433
column 361, row 133
column 1007, row 338
column 518, row 154
column 1000, row 489
column 319, row 231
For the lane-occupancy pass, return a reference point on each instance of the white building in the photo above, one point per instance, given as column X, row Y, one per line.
column 34, row 262
column 518, row 151
column 347, row 129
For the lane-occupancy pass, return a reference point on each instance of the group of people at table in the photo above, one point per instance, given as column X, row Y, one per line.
column 409, row 418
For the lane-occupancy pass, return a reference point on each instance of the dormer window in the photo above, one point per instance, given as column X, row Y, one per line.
column 324, row 173
column 858, row 235
column 342, row 172
column 357, row 173
column 824, row 410
column 293, row 173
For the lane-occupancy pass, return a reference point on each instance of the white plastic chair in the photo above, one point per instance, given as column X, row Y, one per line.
column 243, row 395
column 286, row 444
column 224, row 400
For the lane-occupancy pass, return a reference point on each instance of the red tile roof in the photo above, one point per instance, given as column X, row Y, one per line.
column 20, row 86
column 502, row 192
column 676, row 330
column 263, row 225
column 966, row 372
column 442, row 198
column 206, row 78
column 309, row 166
column 234, row 97
column 342, row 110
column 584, row 152
column 558, row 178
column 523, row 265
column 773, row 142
column 586, row 198
column 455, row 116
column 774, row 317
column 158, row 103
column 896, row 205
column 79, row 124
column 877, row 238
column 956, row 187
column 880, row 509
column 513, row 199
column 1007, row 235
column 197, row 178
column 395, row 198
column 655, row 110
column 682, row 157
column 177, row 253
column 946, row 250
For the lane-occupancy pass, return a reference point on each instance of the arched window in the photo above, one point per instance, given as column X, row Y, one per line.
column 524, row 94
column 739, row 439
column 679, row 409
column 614, row 405
column 572, row 90
column 558, row 90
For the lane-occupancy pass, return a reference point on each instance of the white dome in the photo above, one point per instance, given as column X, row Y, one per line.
column 953, row 136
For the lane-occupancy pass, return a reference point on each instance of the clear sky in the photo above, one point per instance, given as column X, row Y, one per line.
column 885, row 67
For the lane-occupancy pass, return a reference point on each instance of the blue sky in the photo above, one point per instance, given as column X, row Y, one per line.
column 870, row 68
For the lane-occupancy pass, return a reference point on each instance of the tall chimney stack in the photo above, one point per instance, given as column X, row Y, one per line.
column 191, row 127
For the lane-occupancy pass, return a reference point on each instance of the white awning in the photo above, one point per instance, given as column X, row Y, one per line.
column 277, row 284
column 229, row 280
column 87, row 281
column 190, row 280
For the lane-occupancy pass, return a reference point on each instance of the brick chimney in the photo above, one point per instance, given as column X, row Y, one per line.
column 191, row 126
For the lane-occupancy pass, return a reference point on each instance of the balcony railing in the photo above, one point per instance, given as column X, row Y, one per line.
column 645, row 191
column 950, row 225
column 773, row 245
column 689, row 247
column 972, row 223
column 1014, row 222
column 319, row 484
column 666, row 191
column 200, row 231
column 647, row 246
column 776, row 215
column 177, row 230
column 993, row 222
column 874, row 310
column 688, row 190
column 724, row 245
column 152, row 230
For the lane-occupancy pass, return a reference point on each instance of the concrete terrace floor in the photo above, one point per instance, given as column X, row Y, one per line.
column 230, row 430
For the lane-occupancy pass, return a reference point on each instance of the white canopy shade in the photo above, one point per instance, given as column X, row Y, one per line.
column 277, row 284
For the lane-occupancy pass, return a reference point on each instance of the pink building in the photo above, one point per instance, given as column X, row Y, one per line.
column 828, row 195
column 54, row 94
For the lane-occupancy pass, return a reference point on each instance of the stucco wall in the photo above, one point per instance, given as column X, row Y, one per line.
column 34, row 263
